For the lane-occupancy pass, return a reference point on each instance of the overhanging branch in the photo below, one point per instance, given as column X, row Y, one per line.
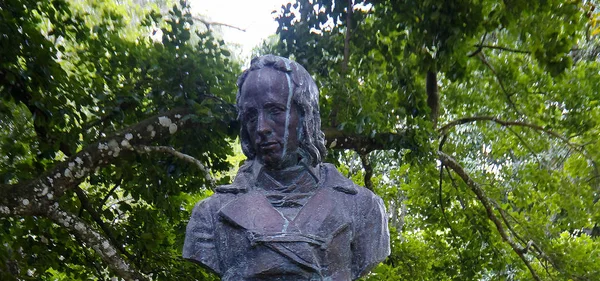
column 444, row 129
column 501, row 48
column 489, row 207
column 578, row 147
column 101, row 245
column 85, row 203
column 36, row 195
column 208, row 23
column 182, row 156
column 500, row 82
column 336, row 139
column 366, row 163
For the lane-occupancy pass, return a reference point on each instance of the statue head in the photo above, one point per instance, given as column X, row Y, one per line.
column 278, row 106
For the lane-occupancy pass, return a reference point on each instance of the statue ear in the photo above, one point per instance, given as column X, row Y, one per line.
column 247, row 149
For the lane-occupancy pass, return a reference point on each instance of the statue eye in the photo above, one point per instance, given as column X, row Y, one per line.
column 276, row 110
column 250, row 117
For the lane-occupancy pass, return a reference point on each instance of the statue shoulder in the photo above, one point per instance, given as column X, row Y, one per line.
column 234, row 188
column 243, row 180
column 332, row 178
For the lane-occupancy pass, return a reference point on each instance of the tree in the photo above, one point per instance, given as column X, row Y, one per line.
column 476, row 120
column 109, row 135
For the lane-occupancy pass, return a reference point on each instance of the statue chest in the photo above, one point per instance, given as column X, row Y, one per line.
column 257, row 239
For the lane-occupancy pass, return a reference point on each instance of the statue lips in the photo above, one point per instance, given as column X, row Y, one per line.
column 268, row 146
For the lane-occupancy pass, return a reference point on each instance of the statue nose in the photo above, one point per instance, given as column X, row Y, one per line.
column 263, row 127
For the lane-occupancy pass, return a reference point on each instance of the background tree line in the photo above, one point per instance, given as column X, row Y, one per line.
column 476, row 121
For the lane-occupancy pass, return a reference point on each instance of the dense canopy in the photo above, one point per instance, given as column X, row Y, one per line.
column 476, row 121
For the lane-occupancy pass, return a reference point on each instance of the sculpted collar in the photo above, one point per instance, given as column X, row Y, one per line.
column 327, row 177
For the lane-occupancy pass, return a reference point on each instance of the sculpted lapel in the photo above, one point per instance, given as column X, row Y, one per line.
column 299, row 240
column 253, row 212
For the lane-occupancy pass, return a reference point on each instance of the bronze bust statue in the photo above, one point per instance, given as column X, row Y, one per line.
column 286, row 216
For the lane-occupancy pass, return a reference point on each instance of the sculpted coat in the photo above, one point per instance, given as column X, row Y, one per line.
column 339, row 234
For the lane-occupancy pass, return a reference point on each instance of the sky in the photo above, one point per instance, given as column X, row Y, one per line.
column 255, row 16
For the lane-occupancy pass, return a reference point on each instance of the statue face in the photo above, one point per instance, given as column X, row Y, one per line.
column 272, row 127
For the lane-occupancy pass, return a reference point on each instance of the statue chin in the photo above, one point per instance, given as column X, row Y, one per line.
column 274, row 161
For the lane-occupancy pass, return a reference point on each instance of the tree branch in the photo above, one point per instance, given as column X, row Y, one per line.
column 366, row 163
column 441, row 201
column 333, row 115
column 85, row 203
column 182, row 156
column 209, row 23
column 455, row 185
column 110, row 192
column 36, row 195
column 578, row 147
column 336, row 139
column 444, row 129
column 433, row 96
column 481, row 46
column 524, row 143
column 89, row 259
column 101, row 245
column 529, row 244
column 500, row 82
column 488, row 205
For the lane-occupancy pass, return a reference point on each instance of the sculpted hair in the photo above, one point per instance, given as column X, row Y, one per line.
column 305, row 96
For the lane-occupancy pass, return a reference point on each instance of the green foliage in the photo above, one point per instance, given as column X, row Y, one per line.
column 74, row 73
column 532, row 63
column 518, row 77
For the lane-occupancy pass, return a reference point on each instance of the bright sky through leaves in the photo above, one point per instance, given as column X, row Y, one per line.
column 253, row 16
